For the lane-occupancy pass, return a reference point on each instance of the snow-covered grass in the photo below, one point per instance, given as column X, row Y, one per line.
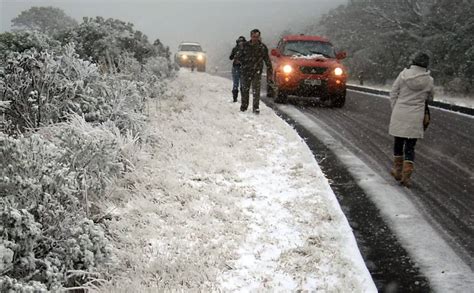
column 440, row 95
column 229, row 201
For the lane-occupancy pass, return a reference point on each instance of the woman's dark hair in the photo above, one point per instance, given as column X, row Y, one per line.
column 254, row 31
column 240, row 39
column 421, row 59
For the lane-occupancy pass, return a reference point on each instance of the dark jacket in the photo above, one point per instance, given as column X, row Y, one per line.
column 234, row 56
column 252, row 58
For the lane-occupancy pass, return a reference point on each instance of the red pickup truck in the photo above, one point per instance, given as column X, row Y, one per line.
column 308, row 66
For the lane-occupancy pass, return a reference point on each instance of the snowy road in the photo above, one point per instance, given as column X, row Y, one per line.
column 444, row 169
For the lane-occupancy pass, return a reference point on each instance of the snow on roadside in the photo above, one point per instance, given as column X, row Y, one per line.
column 440, row 95
column 230, row 201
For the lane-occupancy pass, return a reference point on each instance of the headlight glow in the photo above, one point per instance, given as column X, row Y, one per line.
column 287, row 69
column 184, row 57
column 200, row 57
column 338, row 71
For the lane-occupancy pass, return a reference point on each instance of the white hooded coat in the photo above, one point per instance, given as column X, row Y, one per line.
column 410, row 91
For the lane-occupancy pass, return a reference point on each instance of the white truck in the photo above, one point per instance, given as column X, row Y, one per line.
column 190, row 54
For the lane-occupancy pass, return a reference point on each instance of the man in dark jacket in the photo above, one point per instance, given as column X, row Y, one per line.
column 236, row 64
column 252, row 56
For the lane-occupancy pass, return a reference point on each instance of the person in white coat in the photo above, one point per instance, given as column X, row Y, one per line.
column 410, row 91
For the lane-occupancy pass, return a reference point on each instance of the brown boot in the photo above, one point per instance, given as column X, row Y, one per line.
column 406, row 173
column 397, row 167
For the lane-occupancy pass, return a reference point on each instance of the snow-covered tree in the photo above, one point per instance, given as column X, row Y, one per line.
column 381, row 35
column 104, row 40
column 20, row 41
column 48, row 20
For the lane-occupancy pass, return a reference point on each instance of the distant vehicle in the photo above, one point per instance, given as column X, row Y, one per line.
column 308, row 66
column 191, row 55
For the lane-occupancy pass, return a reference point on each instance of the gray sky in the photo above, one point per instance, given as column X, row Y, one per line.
column 215, row 24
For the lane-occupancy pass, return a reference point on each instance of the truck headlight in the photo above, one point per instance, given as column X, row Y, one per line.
column 287, row 69
column 338, row 71
column 200, row 57
column 184, row 57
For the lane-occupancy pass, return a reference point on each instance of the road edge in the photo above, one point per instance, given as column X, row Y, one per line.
column 455, row 275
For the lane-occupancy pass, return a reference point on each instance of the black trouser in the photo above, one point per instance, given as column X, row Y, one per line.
column 250, row 79
column 404, row 147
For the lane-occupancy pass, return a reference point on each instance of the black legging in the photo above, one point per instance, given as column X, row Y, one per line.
column 404, row 147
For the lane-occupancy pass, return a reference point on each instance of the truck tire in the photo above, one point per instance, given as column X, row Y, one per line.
column 338, row 101
column 270, row 91
column 281, row 97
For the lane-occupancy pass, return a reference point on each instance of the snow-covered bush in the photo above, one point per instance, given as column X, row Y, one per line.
column 48, row 184
column 152, row 76
column 105, row 40
column 94, row 153
column 17, row 42
column 160, row 67
column 42, row 88
column 86, row 124
column 10, row 285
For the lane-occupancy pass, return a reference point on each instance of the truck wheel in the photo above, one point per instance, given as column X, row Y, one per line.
column 338, row 101
column 202, row 68
column 281, row 97
column 270, row 91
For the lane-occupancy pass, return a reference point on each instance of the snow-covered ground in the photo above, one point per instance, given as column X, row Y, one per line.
column 230, row 201
column 445, row 270
column 440, row 95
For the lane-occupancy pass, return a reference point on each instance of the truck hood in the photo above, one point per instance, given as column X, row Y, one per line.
column 313, row 60
column 191, row 53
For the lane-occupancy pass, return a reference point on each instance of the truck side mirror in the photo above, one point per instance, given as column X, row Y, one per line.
column 275, row 52
column 341, row 55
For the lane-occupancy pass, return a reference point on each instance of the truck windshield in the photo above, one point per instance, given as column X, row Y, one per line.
column 307, row 48
column 196, row 48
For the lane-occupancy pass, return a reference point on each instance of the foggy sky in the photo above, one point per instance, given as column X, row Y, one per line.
column 215, row 24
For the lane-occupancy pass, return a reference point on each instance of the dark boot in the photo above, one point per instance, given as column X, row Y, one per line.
column 397, row 167
column 406, row 173
column 235, row 94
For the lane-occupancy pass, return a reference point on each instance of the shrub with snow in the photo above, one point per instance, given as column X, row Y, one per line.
column 105, row 40
column 42, row 88
column 43, row 214
column 49, row 182
column 68, row 131
column 18, row 42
